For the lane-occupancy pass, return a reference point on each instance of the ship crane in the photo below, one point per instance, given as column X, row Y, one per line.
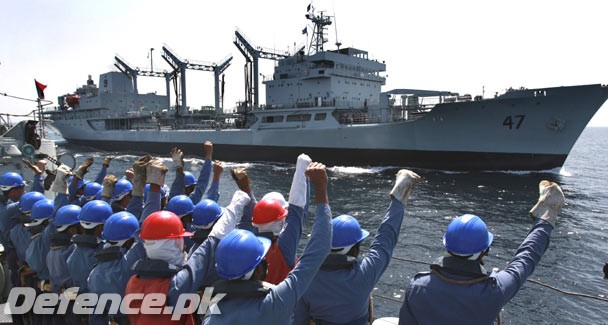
column 252, row 55
column 133, row 73
column 180, row 65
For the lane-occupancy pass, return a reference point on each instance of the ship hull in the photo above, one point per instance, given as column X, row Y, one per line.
column 523, row 130
column 440, row 160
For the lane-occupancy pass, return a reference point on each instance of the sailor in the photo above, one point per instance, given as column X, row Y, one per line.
column 67, row 225
column 36, row 274
column 90, row 192
column 121, row 197
column 167, row 271
column 283, row 226
column 458, row 290
column 182, row 206
column 204, row 216
column 19, row 235
column 115, row 262
column 241, row 264
column 185, row 182
column 41, row 229
column 12, row 187
column 77, row 184
column 332, row 298
column 92, row 216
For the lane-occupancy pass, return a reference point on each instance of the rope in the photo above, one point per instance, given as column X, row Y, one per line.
column 569, row 293
column 387, row 298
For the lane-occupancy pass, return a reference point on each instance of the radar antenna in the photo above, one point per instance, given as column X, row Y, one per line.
column 319, row 35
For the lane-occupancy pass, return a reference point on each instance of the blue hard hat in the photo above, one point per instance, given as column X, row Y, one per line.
column 205, row 212
column 27, row 201
column 94, row 212
column 42, row 209
column 91, row 189
column 189, row 179
column 163, row 191
column 81, row 183
column 240, row 252
column 120, row 226
column 10, row 180
column 181, row 205
column 121, row 189
column 467, row 235
column 346, row 231
column 66, row 216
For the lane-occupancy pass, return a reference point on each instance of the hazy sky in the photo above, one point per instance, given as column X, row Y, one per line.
column 460, row 46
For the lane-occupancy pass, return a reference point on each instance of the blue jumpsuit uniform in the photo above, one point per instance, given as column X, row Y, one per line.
column 431, row 299
column 56, row 261
column 82, row 259
column 276, row 307
column 339, row 294
column 36, row 253
column 112, row 273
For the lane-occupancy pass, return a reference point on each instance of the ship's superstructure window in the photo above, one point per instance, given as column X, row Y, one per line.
column 272, row 119
column 320, row 116
column 298, row 117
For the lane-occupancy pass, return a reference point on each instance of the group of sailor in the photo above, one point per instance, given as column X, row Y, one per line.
column 132, row 235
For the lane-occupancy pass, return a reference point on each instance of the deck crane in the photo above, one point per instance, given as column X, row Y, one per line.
column 252, row 55
column 133, row 73
column 180, row 65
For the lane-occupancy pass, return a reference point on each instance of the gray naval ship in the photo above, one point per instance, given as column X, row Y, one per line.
column 329, row 104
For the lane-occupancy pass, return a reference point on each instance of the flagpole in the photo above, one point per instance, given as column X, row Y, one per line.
column 40, row 119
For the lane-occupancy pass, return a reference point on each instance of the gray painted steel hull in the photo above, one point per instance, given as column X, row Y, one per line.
column 454, row 136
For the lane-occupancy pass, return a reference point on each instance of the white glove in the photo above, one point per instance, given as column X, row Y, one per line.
column 60, row 184
column 550, row 202
column 297, row 193
column 178, row 158
column 406, row 179
column 155, row 172
column 227, row 222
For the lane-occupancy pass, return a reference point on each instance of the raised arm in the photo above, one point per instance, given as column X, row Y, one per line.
column 281, row 301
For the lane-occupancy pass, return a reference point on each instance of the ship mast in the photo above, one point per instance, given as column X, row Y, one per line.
column 319, row 34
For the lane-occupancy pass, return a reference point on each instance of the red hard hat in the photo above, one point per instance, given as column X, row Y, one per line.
column 163, row 225
column 268, row 210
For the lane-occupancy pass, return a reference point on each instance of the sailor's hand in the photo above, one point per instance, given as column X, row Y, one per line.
column 550, row 202
column 406, row 179
column 218, row 167
column 106, row 161
column 37, row 170
column 129, row 174
column 83, row 168
column 178, row 157
column 302, row 162
column 317, row 174
column 208, row 150
column 108, row 186
column 241, row 178
column 155, row 172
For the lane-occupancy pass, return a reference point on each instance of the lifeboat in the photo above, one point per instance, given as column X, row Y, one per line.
column 72, row 100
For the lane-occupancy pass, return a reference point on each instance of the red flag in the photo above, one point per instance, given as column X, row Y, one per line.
column 40, row 89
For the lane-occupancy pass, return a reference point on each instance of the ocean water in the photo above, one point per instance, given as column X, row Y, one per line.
column 573, row 261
